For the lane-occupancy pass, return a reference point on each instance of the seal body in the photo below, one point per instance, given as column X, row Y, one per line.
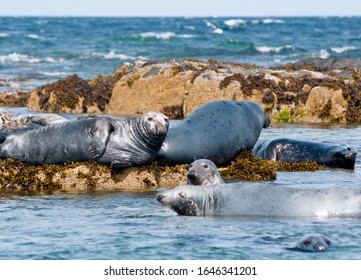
column 262, row 199
column 313, row 243
column 120, row 142
column 203, row 172
column 289, row 150
column 217, row 130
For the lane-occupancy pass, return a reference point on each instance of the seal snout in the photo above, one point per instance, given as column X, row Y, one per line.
column 160, row 197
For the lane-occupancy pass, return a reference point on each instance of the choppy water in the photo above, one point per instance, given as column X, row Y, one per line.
column 126, row 225
column 39, row 50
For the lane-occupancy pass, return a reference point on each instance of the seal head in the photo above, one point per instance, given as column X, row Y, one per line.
column 203, row 172
column 313, row 243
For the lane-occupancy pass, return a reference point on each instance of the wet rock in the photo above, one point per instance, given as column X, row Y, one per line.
column 20, row 178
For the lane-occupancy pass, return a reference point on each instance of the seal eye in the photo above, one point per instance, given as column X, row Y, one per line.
column 205, row 165
column 150, row 119
column 181, row 195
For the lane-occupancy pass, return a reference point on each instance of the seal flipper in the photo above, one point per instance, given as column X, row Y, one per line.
column 99, row 132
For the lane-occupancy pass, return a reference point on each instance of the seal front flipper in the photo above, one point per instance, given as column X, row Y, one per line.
column 100, row 132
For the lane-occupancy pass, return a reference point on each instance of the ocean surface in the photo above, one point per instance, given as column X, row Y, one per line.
column 39, row 50
column 133, row 225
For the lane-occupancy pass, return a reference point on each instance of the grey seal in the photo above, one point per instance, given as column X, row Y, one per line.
column 217, row 130
column 262, row 199
column 9, row 121
column 123, row 141
column 313, row 243
column 41, row 119
column 290, row 150
column 203, row 172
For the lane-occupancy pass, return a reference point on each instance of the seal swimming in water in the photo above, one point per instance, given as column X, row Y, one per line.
column 217, row 130
column 203, row 172
column 290, row 150
column 262, row 199
column 123, row 141
column 313, row 243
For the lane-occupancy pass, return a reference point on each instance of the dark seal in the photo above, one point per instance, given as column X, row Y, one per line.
column 120, row 142
column 289, row 150
column 203, row 172
column 313, row 243
column 217, row 130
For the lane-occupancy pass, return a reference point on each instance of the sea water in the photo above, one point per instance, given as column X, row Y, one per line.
column 39, row 50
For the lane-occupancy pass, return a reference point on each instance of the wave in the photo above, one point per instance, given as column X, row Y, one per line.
column 323, row 54
column 54, row 74
column 164, row 35
column 343, row 49
column 4, row 35
column 266, row 49
column 216, row 29
column 33, row 36
column 109, row 55
column 271, row 21
column 16, row 57
column 234, row 22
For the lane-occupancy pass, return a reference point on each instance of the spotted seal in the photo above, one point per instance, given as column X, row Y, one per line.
column 313, row 243
column 123, row 141
column 290, row 150
column 203, row 172
column 217, row 130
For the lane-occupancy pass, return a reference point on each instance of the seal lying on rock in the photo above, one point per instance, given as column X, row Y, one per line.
column 261, row 199
column 313, row 243
column 290, row 150
column 9, row 121
column 124, row 141
column 203, row 172
column 41, row 119
column 217, row 130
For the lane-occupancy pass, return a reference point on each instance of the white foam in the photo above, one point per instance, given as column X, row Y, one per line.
column 234, row 22
column 209, row 24
column 4, row 35
column 55, row 74
column 266, row 49
column 112, row 55
column 16, row 57
column 324, row 54
column 215, row 28
column 164, row 35
column 270, row 20
column 343, row 49
column 33, row 36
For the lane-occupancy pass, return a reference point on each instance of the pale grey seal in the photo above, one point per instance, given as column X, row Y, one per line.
column 217, row 130
column 290, row 150
column 123, row 141
column 203, row 172
column 262, row 199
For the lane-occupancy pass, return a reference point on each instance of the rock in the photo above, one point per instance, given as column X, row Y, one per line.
column 14, row 99
column 178, row 86
column 23, row 179
column 327, row 64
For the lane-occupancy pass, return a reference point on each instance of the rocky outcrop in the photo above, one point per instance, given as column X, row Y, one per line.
column 312, row 90
column 20, row 178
